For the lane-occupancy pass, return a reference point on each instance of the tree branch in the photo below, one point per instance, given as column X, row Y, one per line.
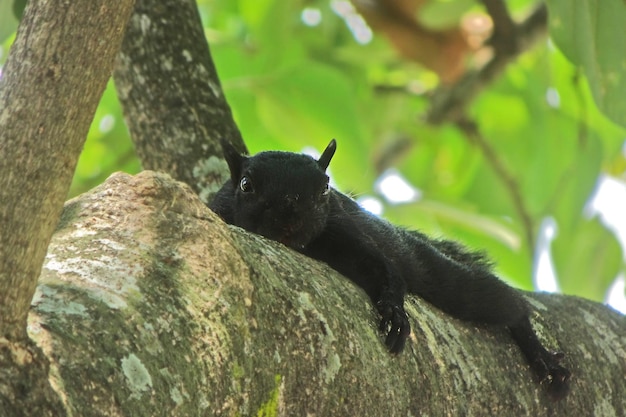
column 172, row 97
column 198, row 318
column 49, row 91
column 448, row 103
column 504, row 37
column 510, row 182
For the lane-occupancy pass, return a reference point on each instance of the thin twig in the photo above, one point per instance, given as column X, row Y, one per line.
column 504, row 37
column 510, row 182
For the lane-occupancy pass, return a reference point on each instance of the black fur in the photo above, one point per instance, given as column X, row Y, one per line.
column 286, row 197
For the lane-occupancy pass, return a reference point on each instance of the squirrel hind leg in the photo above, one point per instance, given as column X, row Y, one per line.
column 545, row 364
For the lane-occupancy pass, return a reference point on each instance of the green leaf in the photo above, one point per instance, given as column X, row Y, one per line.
column 18, row 8
column 108, row 147
column 591, row 33
column 444, row 14
column 8, row 22
column 587, row 259
column 577, row 184
column 316, row 103
column 310, row 105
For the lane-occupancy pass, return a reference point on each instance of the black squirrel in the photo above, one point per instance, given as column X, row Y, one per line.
column 286, row 197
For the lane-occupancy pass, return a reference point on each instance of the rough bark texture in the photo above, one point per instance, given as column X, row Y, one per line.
column 172, row 98
column 149, row 305
column 50, row 87
column 48, row 94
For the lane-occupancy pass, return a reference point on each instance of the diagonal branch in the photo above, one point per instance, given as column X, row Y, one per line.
column 504, row 29
column 173, row 102
column 51, row 84
column 49, row 92
column 509, row 40
column 448, row 104
column 470, row 129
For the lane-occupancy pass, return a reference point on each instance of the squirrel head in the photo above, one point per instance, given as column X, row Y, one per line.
column 283, row 196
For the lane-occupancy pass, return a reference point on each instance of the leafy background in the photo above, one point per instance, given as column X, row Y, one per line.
column 553, row 123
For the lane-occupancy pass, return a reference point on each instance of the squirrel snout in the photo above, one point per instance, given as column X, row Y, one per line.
column 291, row 200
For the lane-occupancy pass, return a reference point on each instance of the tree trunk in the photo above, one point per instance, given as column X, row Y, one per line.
column 172, row 98
column 51, row 84
column 149, row 305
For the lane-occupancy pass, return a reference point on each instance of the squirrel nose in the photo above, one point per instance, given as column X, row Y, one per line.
column 292, row 200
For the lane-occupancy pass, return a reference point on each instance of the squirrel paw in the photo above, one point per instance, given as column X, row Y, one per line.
column 395, row 323
column 551, row 374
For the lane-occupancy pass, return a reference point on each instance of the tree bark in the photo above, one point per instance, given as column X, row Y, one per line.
column 149, row 305
column 172, row 98
column 51, row 84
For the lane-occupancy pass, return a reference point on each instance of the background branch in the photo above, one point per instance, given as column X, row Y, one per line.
column 172, row 98
column 504, row 36
column 448, row 103
column 509, row 181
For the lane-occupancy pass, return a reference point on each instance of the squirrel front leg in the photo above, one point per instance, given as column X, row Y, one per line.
column 394, row 320
column 348, row 252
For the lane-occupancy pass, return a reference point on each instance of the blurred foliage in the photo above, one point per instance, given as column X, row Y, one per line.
column 108, row 147
column 298, row 73
column 8, row 20
column 592, row 35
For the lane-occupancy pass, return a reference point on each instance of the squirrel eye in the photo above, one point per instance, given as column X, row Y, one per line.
column 326, row 189
column 245, row 185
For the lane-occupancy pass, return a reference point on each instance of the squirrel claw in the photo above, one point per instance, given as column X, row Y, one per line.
column 395, row 323
column 554, row 376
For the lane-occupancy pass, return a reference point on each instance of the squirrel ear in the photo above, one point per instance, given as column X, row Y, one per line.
column 233, row 158
column 327, row 155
